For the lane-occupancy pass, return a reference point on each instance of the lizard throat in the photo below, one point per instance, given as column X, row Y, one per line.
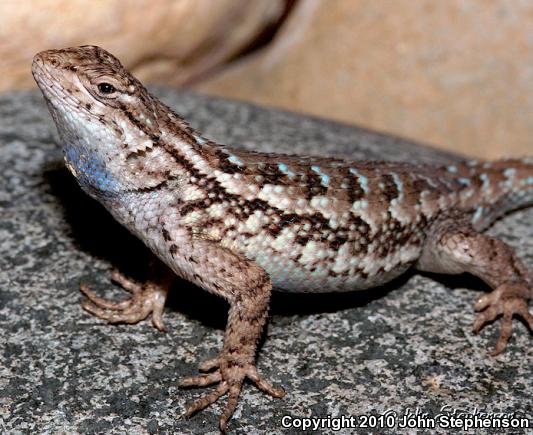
column 91, row 173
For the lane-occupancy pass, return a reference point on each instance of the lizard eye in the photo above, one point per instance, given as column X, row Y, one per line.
column 106, row 88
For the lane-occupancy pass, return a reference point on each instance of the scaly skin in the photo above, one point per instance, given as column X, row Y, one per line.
column 238, row 223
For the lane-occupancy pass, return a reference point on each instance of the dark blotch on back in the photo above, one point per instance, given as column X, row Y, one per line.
column 390, row 189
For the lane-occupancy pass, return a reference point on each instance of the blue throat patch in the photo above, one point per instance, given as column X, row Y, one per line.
column 90, row 171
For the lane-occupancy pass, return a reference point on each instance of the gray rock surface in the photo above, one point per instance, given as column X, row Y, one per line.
column 404, row 346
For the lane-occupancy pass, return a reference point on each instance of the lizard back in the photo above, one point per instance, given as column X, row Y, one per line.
column 324, row 224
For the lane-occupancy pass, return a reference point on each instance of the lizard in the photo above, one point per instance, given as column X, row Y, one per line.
column 240, row 223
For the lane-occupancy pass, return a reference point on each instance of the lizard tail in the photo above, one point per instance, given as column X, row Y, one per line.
column 497, row 188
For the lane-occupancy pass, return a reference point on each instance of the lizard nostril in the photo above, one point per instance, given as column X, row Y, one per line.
column 38, row 59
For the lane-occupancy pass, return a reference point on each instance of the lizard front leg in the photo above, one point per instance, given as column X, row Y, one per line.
column 236, row 362
column 454, row 246
column 247, row 288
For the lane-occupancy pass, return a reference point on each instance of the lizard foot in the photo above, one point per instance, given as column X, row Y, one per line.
column 506, row 300
column 145, row 299
column 229, row 375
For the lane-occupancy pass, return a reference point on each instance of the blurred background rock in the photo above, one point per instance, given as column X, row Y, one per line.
column 457, row 74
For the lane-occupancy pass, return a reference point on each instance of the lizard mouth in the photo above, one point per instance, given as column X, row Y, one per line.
column 54, row 82
column 49, row 85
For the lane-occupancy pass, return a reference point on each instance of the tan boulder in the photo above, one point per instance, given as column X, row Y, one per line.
column 163, row 41
column 457, row 74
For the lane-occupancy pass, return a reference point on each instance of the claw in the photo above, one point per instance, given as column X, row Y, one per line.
column 263, row 384
column 505, row 334
column 487, row 316
column 233, row 400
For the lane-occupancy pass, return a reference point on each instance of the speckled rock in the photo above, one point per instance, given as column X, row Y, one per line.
column 404, row 346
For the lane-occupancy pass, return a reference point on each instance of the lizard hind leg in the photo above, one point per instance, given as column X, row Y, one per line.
column 145, row 299
column 453, row 246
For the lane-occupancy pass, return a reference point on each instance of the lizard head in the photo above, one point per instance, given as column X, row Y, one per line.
column 103, row 115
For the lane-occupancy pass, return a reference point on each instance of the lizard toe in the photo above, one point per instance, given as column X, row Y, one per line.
column 201, row 380
column 507, row 300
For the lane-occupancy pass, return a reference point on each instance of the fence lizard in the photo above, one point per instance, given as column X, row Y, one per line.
column 238, row 223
